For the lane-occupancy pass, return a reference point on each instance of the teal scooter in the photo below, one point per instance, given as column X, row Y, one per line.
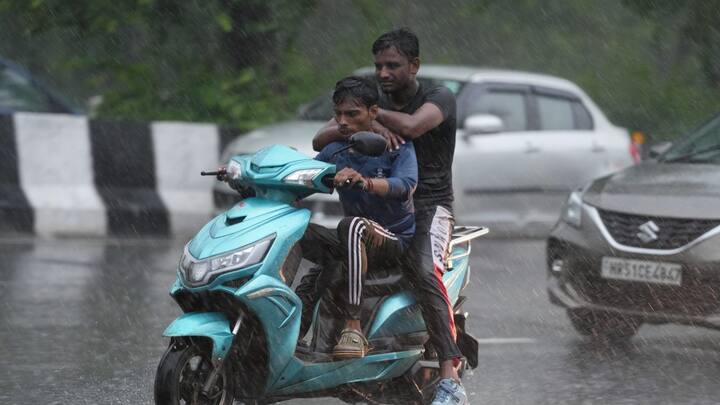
column 238, row 337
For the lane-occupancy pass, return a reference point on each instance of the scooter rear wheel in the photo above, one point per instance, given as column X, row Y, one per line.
column 181, row 374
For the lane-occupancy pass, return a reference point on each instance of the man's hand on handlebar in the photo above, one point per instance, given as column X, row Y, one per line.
column 348, row 177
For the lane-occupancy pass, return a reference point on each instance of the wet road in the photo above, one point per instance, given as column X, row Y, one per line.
column 81, row 323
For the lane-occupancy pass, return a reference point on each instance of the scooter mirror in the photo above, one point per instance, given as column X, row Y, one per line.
column 368, row 143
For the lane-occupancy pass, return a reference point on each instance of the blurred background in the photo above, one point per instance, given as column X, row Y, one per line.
column 651, row 65
column 82, row 313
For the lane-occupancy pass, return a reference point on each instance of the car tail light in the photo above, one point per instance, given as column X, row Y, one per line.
column 635, row 153
column 637, row 139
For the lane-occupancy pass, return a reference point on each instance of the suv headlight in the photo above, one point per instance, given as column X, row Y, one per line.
column 200, row 272
column 572, row 211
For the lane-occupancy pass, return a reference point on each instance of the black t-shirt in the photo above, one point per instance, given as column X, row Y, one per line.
column 435, row 148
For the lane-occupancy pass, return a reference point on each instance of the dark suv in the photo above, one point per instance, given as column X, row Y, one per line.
column 643, row 245
column 20, row 91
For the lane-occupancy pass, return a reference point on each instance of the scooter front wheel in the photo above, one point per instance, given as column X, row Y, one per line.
column 181, row 374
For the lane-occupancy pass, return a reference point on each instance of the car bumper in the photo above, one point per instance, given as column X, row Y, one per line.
column 574, row 258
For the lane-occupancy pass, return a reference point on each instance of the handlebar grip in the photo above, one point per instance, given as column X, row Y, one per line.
column 204, row 173
column 328, row 181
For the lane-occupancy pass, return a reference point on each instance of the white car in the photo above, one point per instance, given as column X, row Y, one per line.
column 524, row 141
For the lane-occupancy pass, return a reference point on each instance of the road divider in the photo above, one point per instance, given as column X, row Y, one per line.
column 64, row 175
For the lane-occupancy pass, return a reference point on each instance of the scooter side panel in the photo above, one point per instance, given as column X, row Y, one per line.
column 279, row 310
column 269, row 296
column 397, row 315
column 306, row 377
column 213, row 325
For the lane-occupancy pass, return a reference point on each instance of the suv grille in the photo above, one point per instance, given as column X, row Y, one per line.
column 672, row 233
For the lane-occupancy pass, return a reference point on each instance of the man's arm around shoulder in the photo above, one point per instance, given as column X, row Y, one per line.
column 326, row 135
column 438, row 104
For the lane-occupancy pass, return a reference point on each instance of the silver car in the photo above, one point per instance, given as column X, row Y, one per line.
column 524, row 141
column 643, row 245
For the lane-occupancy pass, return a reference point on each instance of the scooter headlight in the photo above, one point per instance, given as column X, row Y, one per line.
column 302, row 177
column 199, row 272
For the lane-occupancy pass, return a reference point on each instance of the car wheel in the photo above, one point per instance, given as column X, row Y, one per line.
column 605, row 326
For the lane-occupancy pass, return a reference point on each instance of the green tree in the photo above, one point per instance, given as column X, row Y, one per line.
column 162, row 59
column 699, row 29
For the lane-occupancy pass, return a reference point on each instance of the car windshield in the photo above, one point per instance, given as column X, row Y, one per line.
column 701, row 146
column 321, row 109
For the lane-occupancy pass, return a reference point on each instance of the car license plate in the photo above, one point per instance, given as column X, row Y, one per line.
column 641, row 270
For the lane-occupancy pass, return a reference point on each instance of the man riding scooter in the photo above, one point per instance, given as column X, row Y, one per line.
column 376, row 196
column 427, row 116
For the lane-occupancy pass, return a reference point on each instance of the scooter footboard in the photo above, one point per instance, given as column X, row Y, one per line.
column 213, row 325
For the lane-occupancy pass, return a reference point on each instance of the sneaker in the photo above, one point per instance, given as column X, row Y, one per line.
column 450, row 392
column 351, row 345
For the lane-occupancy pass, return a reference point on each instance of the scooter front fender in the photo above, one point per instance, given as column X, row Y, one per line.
column 213, row 325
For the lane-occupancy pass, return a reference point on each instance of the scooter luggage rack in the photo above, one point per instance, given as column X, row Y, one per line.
column 464, row 235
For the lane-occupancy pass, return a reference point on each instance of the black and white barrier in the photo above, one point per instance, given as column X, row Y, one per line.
column 67, row 175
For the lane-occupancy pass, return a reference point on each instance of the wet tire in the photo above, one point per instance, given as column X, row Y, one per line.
column 182, row 372
column 604, row 326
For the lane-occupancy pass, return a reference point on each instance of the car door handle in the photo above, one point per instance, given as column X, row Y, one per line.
column 597, row 148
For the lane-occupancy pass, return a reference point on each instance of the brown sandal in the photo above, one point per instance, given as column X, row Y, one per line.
column 351, row 345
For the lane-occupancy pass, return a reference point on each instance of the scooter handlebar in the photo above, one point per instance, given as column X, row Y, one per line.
column 220, row 173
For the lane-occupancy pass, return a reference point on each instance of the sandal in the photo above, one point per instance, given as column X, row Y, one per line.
column 351, row 345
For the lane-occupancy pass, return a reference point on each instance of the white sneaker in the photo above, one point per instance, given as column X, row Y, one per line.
column 450, row 392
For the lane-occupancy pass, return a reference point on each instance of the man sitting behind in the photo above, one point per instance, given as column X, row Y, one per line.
column 376, row 196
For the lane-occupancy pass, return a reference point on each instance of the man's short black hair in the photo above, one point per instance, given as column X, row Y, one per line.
column 358, row 88
column 404, row 40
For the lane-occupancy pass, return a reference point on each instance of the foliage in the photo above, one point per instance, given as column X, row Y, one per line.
column 161, row 59
column 652, row 65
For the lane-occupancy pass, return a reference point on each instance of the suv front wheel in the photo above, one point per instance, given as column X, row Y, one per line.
column 604, row 326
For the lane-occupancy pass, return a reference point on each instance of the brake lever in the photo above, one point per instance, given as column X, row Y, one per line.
column 219, row 173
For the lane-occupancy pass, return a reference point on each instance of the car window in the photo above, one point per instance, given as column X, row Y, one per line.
column 583, row 119
column 561, row 113
column 453, row 85
column 18, row 93
column 555, row 113
column 509, row 105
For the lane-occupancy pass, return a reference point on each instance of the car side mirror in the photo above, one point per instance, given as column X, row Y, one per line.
column 483, row 124
column 368, row 143
column 658, row 149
